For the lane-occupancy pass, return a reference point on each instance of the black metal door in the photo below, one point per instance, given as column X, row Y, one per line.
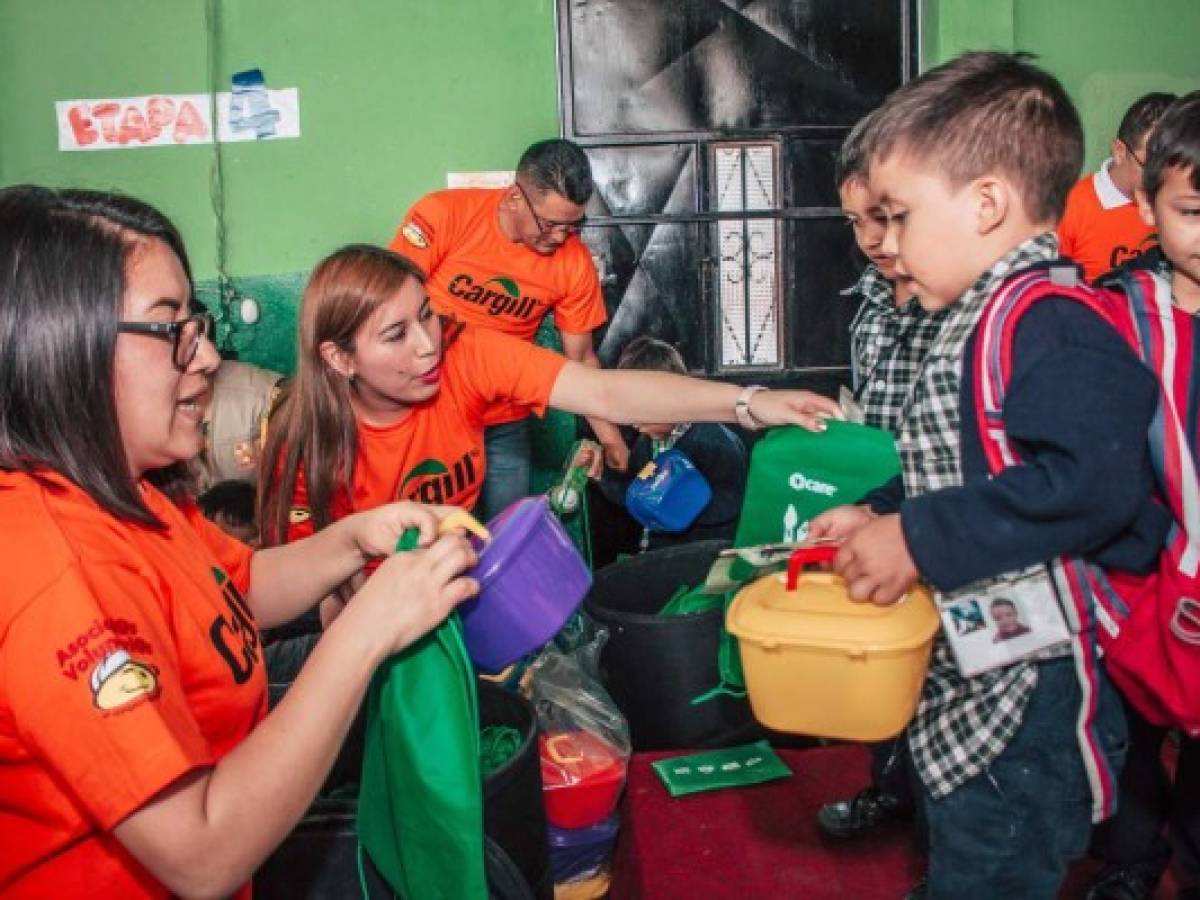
column 712, row 129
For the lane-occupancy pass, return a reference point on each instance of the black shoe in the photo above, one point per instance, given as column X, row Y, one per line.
column 865, row 813
column 1136, row 881
column 918, row 891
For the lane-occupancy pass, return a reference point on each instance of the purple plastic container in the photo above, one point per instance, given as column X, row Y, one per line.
column 575, row 851
column 531, row 579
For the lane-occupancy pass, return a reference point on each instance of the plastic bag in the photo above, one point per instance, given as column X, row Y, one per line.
column 584, row 739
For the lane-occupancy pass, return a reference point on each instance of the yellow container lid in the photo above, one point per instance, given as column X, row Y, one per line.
column 819, row 614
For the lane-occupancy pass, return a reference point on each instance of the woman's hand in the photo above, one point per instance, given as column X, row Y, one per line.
column 803, row 408
column 376, row 531
column 411, row 593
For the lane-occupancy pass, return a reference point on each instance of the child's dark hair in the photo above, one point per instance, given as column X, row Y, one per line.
column 231, row 500
column 651, row 354
column 851, row 162
column 1174, row 144
column 987, row 112
column 1141, row 117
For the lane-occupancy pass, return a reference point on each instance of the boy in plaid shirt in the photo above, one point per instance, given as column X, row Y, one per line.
column 888, row 339
column 973, row 162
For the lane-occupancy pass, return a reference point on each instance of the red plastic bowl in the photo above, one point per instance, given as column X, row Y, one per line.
column 582, row 777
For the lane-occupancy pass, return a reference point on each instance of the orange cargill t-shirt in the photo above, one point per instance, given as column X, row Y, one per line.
column 435, row 453
column 481, row 277
column 128, row 657
column 1101, row 227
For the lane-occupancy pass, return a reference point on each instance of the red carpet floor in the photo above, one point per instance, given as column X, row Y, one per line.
column 761, row 842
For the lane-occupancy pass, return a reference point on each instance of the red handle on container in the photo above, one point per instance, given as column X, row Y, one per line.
column 805, row 555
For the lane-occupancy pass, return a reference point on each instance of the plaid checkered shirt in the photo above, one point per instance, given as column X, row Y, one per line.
column 961, row 724
column 887, row 344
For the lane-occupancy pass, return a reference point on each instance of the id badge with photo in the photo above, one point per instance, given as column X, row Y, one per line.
column 999, row 623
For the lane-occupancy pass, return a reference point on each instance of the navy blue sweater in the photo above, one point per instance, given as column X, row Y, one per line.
column 1077, row 411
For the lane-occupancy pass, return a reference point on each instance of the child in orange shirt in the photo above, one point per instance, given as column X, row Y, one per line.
column 1101, row 227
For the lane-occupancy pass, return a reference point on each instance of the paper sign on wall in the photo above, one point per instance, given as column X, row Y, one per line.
column 160, row 120
column 493, row 179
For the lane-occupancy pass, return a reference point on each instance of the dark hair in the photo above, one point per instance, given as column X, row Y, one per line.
column 651, row 354
column 851, row 162
column 1141, row 117
column 231, row 499
column 64, row 256
column 557, row 166
column 1002, row 601
column 1174, row 144
column 987, row 112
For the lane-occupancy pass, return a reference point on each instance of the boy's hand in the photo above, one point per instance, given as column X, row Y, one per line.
column 875, row 562
column 837, row 524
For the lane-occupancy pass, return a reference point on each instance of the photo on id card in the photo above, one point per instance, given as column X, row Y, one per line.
column 999, row 623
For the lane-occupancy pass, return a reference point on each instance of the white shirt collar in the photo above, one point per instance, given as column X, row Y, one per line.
column 1107, row 192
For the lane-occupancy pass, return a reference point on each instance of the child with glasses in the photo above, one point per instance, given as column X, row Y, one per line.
column 1101, row 227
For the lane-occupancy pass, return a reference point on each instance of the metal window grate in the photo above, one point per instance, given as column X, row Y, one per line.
column 747, row 276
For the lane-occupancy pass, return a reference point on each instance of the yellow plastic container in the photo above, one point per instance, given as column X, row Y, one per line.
column 818, row 663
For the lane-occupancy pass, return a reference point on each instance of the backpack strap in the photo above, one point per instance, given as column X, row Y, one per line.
column 1166, row 340
column 994, row 344
column 1081, row 587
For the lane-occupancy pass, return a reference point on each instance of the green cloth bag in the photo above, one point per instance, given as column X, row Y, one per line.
column 420, row 808
column 797, row 474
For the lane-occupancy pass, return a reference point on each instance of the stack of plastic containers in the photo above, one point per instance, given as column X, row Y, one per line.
column 582, row 777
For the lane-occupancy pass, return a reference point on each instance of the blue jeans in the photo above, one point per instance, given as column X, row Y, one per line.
column 507, row 449
column 1012, row 831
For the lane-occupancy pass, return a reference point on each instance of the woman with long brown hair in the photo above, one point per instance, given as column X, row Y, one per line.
column 388, row 399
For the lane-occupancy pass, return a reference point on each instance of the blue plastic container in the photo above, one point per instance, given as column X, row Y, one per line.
column 575, row 851
column 668, row 494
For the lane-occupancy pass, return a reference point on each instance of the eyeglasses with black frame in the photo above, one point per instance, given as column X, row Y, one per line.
column 185, row 334
column 546, row 226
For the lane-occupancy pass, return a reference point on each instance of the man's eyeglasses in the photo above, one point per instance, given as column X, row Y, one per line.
column 185, row 334
column 1134, row 156
column 546, row 226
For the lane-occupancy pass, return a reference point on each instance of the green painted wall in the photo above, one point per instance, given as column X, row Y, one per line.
column 1106, row 52
column 392, row 96
column 395, row 93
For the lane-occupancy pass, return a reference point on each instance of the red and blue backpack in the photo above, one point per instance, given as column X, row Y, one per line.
column 1149, row 625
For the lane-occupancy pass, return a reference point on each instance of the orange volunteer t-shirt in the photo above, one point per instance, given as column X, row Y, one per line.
column 1101, row 228
column 481, row 277
column 435, row 453
column 128, row 658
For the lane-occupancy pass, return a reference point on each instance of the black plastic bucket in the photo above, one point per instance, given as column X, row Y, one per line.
column 319, row 859
column 514, row 816
column 652, row 665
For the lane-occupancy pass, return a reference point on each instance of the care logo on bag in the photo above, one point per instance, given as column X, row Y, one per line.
column 798, row 481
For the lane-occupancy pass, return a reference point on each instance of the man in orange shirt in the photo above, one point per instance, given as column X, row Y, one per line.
column 1101, row 227
column 503, row 258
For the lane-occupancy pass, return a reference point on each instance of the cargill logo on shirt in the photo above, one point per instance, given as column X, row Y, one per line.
column 801, row 482
column 501, row 296
column 430, row 481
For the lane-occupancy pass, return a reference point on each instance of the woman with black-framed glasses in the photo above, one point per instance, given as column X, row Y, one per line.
column 185, row 335
column 137, row 757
